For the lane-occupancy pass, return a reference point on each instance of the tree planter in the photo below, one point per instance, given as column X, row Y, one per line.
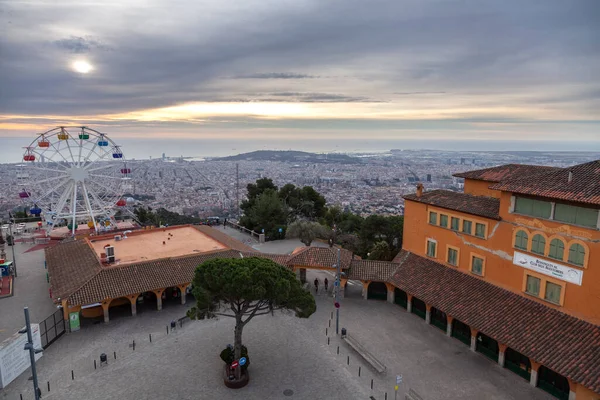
column 235, row 383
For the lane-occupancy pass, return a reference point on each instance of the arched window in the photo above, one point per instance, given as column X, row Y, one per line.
column 521, row 240
column 576, row 254
column 557, row 249
column 538, row 244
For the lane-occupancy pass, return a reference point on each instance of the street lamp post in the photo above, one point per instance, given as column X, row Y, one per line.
column 32, row 353
column 12, row 247
column 337, row 291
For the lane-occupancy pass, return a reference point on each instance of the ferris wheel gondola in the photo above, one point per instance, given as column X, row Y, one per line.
column 74, row 175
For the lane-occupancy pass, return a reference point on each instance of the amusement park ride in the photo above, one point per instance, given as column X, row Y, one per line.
column 75, row 175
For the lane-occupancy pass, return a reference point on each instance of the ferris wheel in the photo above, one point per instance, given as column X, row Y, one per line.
column 75, row 175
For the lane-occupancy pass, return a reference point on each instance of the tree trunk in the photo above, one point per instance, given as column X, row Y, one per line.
column 237, row 345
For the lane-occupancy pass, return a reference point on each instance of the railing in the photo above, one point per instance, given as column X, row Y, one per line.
column 401, row 302
column 440, row 324
column 418, row 312
column 258, row 236
column 516, row 368
column 466, row 339
column 489, row 353
column 553, row 390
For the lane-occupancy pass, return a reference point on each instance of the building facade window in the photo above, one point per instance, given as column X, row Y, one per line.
column 576, row 215
column 480, row 230
column 477, row 265
column 576, row 254
column 454, row 223
column 533, row 208
column 467, row 226
column 431, row 247
column 538, row 244
column 552, row 292
column 433, row 218
column 521, row 240
column 443, row 221
column 557, row 249
column 533, row 285
column 452, row 256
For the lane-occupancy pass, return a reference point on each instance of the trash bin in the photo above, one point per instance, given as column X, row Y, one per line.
column 343, row 332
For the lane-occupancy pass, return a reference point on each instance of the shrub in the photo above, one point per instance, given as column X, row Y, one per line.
column 227, row 356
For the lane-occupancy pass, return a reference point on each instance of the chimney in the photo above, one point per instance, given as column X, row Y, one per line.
column 570, row 176
column 419, row 190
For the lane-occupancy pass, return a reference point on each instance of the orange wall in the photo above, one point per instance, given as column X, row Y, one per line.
column 497, row 251
column 583, row 393
column 480, row 188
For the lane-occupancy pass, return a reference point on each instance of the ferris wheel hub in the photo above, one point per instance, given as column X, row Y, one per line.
column 78, row 174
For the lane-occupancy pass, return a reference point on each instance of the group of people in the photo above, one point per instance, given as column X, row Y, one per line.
column 325, row 282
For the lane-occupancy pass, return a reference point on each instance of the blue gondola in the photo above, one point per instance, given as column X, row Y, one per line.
column 35, row 210
column 117, row 153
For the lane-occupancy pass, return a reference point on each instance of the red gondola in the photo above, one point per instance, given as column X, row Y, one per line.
column 29, row 157
column 121, row 203
column 125, row 170
column 24, row 194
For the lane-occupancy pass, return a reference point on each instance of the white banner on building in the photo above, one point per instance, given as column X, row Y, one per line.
column 562, row 272
column 14, row 359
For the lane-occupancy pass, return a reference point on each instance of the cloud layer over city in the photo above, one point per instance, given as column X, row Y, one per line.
column 395, row 68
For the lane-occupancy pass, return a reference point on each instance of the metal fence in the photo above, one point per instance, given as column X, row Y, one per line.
column 52, row 328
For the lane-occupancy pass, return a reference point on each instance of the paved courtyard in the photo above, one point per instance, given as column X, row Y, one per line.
column 285, row 352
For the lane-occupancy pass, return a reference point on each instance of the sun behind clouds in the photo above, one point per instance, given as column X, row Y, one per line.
column 82, row 66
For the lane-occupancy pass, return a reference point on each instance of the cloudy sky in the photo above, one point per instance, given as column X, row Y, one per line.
column 280, row 69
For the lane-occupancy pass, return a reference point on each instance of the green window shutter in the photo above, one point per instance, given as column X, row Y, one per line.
column 467, row 226
column 480, row 230
column 433, row 218
column 523, row 205
column 477, row 265
column 533, row 285
column 521, row 240
column 454, row 222
column 576, row 254
column 443, row 220
column 541, row 209
column 565, row 213
column 552, row 292
column 452, row 256
column 586, row 217
column 538, row 244
column 557, row 249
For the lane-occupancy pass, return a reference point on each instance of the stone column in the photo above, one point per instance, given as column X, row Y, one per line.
column 183, row 292
column 409, row 302
column 343, row 283
column 159, row 298
column 473, row 339
column 427, row 314
column 572, row 390
column 365, row 289
column 534, row 376
column 391, row 295
column 133, row 307
column 105, row 305
column 303, row 275
column 449, row 325
column 501, row 352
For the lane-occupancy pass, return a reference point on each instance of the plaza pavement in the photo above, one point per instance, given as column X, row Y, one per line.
column 30, row 289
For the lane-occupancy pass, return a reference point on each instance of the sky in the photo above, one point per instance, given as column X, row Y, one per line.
column 289, row 71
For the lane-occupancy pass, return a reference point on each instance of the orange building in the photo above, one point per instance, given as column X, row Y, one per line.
column 525, row 234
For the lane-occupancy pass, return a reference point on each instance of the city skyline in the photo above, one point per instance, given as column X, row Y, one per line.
column 279, row 74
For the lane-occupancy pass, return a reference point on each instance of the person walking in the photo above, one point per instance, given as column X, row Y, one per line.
column 326, row 282
column 317, row 285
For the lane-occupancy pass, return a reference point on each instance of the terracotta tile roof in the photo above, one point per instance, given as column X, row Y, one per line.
column 370, row 270
column 320, row 256
column 70, row 265
column 502, row 172
column 123, row 280
column 223, row 238
column 483, row 206
column 584, row 186
column 281, row 259
column 563, row 343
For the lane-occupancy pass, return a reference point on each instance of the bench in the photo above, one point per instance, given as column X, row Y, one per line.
column 364, row 353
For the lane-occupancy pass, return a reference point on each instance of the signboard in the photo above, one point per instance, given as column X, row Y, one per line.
column 243, row 361
column 562, row 272
column 74, row 321
column 14, row 360
column 398, row 379
column 235, row 364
